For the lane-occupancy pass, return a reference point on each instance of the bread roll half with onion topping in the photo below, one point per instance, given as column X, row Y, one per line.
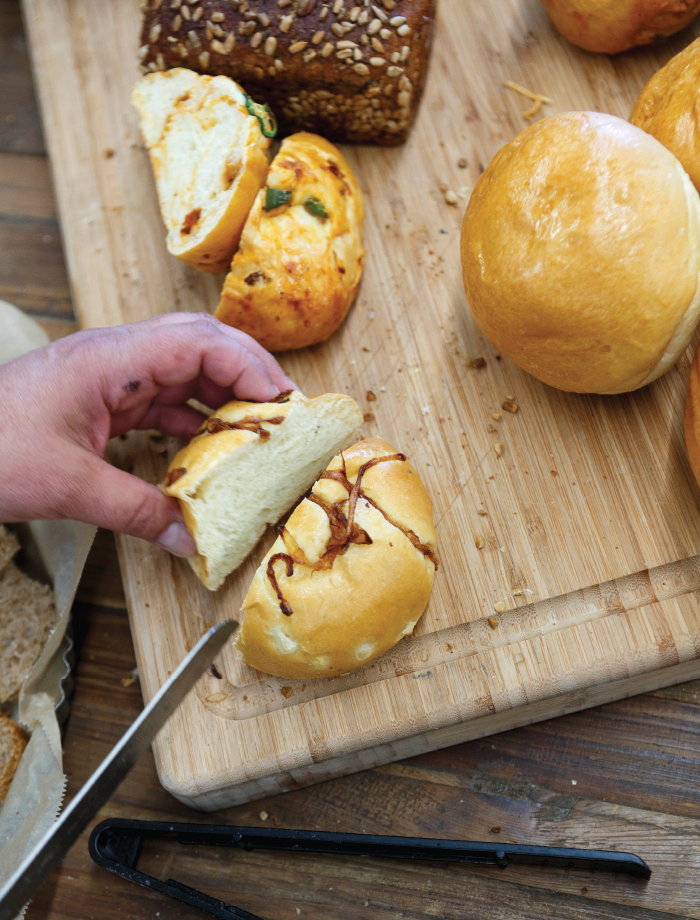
column 351, row 572
column 247, row 466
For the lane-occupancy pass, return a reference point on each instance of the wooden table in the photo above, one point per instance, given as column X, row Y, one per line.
column 629, row 770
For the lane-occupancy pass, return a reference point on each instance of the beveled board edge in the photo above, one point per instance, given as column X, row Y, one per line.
column 565, row 704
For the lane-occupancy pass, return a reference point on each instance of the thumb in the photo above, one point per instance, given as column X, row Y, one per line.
column 116, row 500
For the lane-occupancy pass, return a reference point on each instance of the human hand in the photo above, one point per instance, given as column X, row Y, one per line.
column 60, row 404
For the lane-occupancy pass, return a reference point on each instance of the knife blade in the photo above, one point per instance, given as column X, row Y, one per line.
column 48, row 852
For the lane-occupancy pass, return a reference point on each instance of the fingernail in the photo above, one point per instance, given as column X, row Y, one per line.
column 176, row 540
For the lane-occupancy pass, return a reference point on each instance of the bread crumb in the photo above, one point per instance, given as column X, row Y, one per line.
column 510, row 405
column 370, row 396
column 479, row 542
column 538, row 100
column 264, row 816
column 493, row 623
column 518, row 593
column 495, row 830
column 496, row 416
column 425, row 410
column 477, row 363
column 131, row 679
column 499, row 449
column 499, row 606
column 462, row 163
column 286, row 692
column 482, row 513
column 369, row 416
column 371, row 315
column 108, row 153
column 450, row 197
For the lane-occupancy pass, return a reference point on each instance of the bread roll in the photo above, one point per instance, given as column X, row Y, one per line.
column 352, row 72
column 616, row 25
column 209, row 157
column 249, row 464
column 351, row 572
column 581, row 254
column 668, row 108
column 299, row 264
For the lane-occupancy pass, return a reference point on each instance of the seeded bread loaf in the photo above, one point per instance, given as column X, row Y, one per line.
column 350, row 70
column 350, row 573
column 298, row 268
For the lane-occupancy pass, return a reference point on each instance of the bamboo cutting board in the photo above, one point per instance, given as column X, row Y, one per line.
column 590, row 517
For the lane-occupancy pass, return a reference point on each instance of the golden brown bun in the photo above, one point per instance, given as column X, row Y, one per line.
column 667, row 108
column 247, row 468
column 692, row 417
column 301, row 57
column 209, row 159
column 581, row 254
column 616, row 25
column 296, row 274
column 366, row 598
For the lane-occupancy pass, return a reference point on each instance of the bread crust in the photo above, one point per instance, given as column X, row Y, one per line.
column 369, row 596
column 691, row 417
column 13, row 740
column 209, row 243
column 667, row 108
column 296, row 274
column 616, row 25
column 581, row 254
column 300, row 56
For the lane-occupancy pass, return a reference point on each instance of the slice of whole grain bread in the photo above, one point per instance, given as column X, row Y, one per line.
column 27, row 616
column 9, row 544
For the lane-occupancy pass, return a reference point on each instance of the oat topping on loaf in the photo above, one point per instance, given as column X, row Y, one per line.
column 350, row 71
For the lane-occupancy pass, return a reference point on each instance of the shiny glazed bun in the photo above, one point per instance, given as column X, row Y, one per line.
column 349, row 575
column 581, row 254
column 668, row 108
column 616, row 25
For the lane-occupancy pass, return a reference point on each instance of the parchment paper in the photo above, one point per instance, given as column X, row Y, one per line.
column 34, row 799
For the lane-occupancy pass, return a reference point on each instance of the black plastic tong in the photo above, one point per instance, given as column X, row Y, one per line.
column 116, row 845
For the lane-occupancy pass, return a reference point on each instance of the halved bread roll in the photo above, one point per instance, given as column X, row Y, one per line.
column 249, row 464
column 209, row 157
column 299, row 265
column 351, row 572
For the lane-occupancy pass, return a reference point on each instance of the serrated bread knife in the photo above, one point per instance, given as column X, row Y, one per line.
column 49, row 851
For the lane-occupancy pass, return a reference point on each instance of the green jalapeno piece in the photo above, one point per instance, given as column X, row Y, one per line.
column 316, row 207
column 263, row 112
column 275, row 198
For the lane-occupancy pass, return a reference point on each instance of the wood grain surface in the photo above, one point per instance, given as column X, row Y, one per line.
column 587, row 490
column 636, row 764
